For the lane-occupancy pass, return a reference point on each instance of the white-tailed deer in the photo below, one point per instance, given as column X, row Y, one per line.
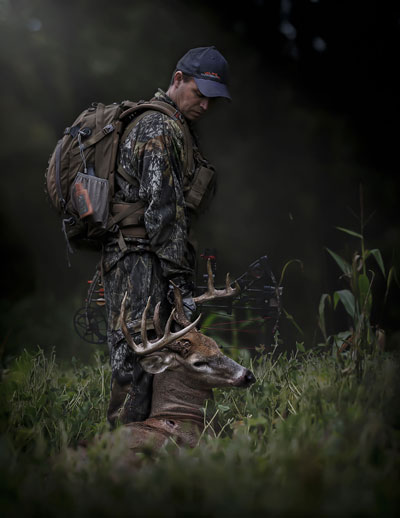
column 188, row 365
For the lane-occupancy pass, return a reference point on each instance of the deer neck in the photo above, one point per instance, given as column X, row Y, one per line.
column 175, row 397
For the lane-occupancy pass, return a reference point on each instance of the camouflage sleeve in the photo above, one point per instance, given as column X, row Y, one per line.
column 154, row 154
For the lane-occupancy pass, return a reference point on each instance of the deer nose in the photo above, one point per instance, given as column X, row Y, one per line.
column 248, row 378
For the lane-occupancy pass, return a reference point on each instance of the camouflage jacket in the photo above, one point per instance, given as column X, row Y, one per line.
column 153, row 154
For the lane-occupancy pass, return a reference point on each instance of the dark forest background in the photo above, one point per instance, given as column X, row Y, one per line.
column 314, row 115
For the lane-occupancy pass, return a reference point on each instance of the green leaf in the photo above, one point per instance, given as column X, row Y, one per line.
column 300, row 347
column 350, row 232
column 392, row 276
column 364, row 287
column 342, row 263
column 298, row 261
column 257, row 421
column 378, row 257
column 341, row 338
column 292, row 320
column 244, row 354
column 321, row 312
column 223, row 408
column 347, row 299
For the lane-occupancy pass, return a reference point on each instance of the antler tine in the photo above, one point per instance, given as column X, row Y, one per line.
column 147, row 346
column 168, row 336
column 143, row 347
column 168, row 324
column 213, row 293
column 228, row 281
column 179, row 314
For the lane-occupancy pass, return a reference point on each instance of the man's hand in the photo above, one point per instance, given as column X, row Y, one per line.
column 189, row 307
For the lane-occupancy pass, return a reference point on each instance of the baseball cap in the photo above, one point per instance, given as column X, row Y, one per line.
column 209, row 69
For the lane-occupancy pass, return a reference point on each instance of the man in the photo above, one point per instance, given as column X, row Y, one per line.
column 162, row 171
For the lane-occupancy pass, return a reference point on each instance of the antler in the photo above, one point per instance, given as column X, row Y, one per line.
column 179, row 315
column 147, row 346
column 213, row 293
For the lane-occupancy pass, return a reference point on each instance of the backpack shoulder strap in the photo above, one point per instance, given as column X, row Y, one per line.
column 139, row 110
column 124, row 136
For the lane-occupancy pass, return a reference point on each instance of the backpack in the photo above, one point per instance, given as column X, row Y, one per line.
column 79, row 179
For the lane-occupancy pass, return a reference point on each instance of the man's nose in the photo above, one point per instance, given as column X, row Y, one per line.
column 205, row 103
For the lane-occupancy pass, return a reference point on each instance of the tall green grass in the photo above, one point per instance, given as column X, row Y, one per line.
column 305, row 440
column 318, row 434
column 45, row 406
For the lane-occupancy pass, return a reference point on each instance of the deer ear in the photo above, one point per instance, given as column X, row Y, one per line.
column 157, row 362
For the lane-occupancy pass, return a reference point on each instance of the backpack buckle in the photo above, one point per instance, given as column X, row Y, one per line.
column 177, row 115
column 85, row 132
column 108, row 129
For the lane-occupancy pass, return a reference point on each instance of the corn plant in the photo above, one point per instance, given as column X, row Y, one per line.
column 357, row 299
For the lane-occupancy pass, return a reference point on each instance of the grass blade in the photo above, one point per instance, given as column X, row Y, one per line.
column 350, row 232
column 342, row 263
column 378, row 258
column 321, row 312
column 347, row 299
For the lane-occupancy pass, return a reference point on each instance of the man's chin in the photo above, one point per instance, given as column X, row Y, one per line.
column 194, row 116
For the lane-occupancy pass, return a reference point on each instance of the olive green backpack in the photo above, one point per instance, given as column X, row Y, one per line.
column 81, row 171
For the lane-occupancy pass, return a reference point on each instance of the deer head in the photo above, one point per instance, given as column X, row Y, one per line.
column 188, row 350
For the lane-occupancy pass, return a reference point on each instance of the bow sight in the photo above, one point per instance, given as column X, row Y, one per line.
column 259, row 290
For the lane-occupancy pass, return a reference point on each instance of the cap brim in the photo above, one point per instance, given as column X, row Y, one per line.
column 211, row 88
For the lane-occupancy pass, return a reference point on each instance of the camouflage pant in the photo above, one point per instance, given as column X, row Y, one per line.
column 138, row 274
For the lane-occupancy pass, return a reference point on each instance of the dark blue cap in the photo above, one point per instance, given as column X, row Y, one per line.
column 209, row 69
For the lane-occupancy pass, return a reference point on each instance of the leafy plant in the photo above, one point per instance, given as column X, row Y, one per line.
column 357, row 299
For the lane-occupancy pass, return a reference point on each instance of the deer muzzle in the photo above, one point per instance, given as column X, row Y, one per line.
column 246, row 379
column 235, row 374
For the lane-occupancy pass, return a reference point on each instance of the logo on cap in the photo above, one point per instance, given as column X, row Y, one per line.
column 211, row 74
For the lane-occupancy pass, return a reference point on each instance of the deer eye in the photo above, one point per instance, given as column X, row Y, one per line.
column 199, row 364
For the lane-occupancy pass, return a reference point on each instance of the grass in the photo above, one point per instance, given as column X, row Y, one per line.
column 305, row 440
column 318, row 434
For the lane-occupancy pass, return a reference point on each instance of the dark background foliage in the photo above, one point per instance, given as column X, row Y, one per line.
column 314, row 115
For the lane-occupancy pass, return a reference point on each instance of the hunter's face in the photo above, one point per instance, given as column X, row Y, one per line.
column 190, row 101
